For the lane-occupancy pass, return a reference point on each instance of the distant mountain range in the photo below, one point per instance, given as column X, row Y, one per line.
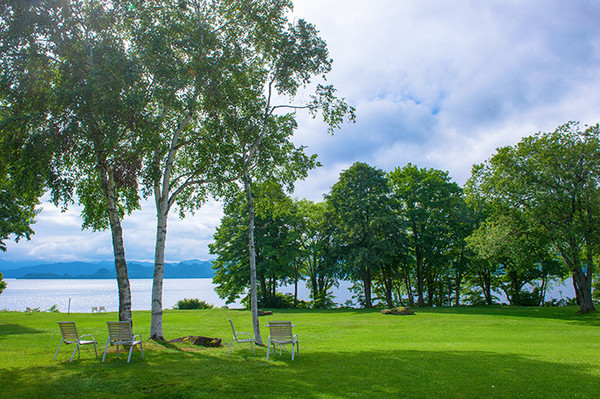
column 106, row 270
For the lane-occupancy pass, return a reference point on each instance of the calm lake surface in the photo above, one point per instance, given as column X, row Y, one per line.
column 83, row 294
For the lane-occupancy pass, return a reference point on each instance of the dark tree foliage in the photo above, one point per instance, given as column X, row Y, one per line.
column 363, row 211
column 552, row 182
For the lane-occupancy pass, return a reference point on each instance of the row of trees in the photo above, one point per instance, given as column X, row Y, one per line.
column 526, row 217
column 105, row 102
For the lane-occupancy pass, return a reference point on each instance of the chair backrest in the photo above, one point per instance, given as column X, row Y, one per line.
column 232, row 328
column 280, row 329
column 68, row 330
column 120, row 331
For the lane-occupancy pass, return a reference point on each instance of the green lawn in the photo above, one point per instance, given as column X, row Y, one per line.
column 497, row 352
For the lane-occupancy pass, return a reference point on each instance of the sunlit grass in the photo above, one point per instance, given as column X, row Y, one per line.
column 497, row 352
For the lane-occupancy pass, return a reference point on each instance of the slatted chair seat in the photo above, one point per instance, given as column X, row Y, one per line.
column 121, row 333
column 236, row 338
column 70, row 335
column 280, row 333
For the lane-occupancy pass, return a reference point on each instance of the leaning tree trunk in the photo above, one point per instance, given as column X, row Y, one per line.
column 108, row 187
column 252, row 251
column 583, row 290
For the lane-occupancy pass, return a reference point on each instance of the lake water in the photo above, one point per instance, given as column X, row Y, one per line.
column 83, row 294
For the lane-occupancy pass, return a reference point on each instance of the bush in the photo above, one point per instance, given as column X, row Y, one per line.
column 192, row 303
column 279, row 301
column 526, row 298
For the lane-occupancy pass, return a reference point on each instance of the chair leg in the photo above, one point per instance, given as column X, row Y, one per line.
column 142, row 347
column 96, row 350
column 292, row 351
column 230, row 346
column 105, row 348
column 268, row 348
column 61, row 341
column 130, row 350
column 75, row 350
column 118, row 357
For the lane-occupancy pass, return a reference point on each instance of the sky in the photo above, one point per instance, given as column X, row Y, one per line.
column 435, row 83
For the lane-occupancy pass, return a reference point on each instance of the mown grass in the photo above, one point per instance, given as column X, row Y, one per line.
column 495, row 352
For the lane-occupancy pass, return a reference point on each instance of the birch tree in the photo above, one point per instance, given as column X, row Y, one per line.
column 189, row 54
column 259, row 109
column 91, row 106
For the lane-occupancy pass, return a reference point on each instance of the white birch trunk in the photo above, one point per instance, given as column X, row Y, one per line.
column 253, row 287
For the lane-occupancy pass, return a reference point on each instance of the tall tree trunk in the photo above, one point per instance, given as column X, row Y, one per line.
column 253, row 288
column 367, row 286
column 419, row 259
column 296, row 286
column 411, row 299
column 488, row 287
column 457, row 287
column 156, row 325
column 108, row 186
column 161, row 198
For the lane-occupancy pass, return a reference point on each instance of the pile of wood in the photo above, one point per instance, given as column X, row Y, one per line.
column 398, row 311
column 199, row 340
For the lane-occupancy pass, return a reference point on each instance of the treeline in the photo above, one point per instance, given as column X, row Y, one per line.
column 527, row 217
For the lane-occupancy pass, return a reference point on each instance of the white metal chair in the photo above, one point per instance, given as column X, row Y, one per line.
column 102, row 309
column 71, row 336
column 280, row 333
column 121, row 333
column 94, row 309
column 239, row 340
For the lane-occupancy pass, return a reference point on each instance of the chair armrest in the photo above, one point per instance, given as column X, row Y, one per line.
column 87, row 335
column 138, row 335
column 295, row 337
column 243, row 333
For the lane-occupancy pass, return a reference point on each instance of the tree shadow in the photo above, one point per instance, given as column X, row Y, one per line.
column 17, row 329
column 368, row 374
column 568, row 313
column 558, row 313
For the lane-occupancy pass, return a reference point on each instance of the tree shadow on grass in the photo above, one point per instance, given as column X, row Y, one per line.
column 17, row 329
column 369, row 374
column 558, row 313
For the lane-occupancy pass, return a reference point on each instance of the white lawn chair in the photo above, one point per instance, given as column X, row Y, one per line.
column 94, row 309
column 71, row 336
column 280, row 333
column 121, row 333
column 239, row 340
column 102, row 309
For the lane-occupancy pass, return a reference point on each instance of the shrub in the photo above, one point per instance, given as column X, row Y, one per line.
column 192, row 303
column 279, row 301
